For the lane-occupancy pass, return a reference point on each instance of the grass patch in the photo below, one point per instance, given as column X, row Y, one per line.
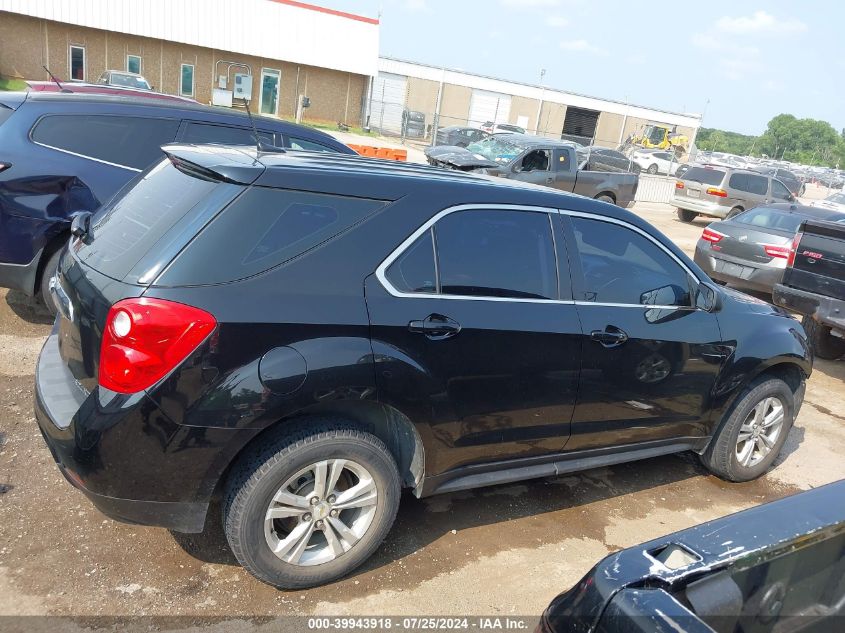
column 8, row 83
column 326, row 125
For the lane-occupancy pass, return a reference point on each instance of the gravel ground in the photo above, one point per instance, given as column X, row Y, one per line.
column 502, row 550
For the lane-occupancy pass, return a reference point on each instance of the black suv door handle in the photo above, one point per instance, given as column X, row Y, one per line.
column 611, row 336
column 435, row 327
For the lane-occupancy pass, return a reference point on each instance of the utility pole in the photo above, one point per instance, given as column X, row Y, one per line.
column 542, row 98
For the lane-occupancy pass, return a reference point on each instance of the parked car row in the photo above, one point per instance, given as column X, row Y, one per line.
column 62, row 154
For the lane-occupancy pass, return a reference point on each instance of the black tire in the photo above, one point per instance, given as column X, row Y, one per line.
column 259, row 474
column 605, row 198
column 685, row 215
column 47, row 273
column 734, row 212
column 825, row 345
column 652, row 169
column 720, row 457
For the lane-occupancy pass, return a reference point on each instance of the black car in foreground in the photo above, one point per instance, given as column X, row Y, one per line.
column 304, row 335
column 776, row 568
column 62, row 154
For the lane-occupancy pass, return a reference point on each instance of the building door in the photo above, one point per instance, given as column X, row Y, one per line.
column 388, row 102
column 580, row 125
column 269, row 100
column 487, row 106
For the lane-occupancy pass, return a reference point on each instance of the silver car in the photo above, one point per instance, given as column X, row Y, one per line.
column 721, row 192
column 751, row 249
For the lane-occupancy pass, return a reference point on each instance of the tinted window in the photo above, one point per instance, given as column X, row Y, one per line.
column 739, row 182
column 122, row 140
column 622, row 266
column 311, row 146
column 705, row 176
column 263, row 228
column 779, row 191
column 127, row 227
column 222, row 134
column 770, row 219
column 757, row 185
column 414, row 270
column 5, row 113
column 496, row 254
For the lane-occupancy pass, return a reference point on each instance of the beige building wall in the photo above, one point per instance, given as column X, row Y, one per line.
column 607, row 129
column 523, row 106
column 454, row 106
column 422, row 96
column 28, row 43
column 551, row 119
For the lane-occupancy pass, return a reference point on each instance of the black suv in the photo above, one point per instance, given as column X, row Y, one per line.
column 65, row 153
column 307, row 334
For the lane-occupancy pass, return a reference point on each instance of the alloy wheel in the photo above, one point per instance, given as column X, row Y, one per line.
column 760, row 432
column 321, row 512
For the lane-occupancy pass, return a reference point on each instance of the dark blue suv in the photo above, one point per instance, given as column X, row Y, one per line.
column 65, row 153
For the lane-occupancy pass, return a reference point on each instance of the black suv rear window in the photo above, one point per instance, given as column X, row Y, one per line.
column 125, row 229
column 122, row 140
column 705, row 176
column 764, row 218
column 262, row 229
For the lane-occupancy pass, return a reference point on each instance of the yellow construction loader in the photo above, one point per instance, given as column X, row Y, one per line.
column 656, row 136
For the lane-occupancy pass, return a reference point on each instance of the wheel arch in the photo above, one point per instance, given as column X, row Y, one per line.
column 609, row 194
column 391, row 426
column 55, row 243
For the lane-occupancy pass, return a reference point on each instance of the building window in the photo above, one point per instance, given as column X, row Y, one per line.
column 76, row 62
column 133, row 64
column 186, row 85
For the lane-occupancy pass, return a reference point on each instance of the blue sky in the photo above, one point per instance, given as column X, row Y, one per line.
column 752, row 60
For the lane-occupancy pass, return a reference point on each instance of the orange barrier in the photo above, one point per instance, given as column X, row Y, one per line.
column 387, row 153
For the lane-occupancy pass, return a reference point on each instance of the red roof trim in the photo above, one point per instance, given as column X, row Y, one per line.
column 314, row 7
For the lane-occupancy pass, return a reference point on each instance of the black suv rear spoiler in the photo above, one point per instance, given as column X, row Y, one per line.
column 224, row 163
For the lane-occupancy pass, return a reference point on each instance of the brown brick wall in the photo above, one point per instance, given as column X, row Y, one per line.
column 26, row 43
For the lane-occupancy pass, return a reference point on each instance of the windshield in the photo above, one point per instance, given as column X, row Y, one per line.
column 770, row 219
column 496, row 148
column 655, row 135
column 130, row 81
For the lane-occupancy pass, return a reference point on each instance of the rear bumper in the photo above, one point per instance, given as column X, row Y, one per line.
column 737, row 272
column 125, row 454
column 713, row 209
column 20, row 276
column 826, row 310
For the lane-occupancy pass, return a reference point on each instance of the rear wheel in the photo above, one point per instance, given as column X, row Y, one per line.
column 825, row 345
column 48, row 273
column 605, row 198
column 749, row 440
column 685, row 215
column 652, row 169
column 311, row 505
column 734, row 212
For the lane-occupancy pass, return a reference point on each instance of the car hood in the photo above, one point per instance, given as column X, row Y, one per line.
column 459, row 157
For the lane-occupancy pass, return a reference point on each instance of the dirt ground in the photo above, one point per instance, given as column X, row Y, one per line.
column 501, row 550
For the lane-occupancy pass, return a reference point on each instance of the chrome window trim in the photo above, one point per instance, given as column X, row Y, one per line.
column 381, row 270
column 96, row 160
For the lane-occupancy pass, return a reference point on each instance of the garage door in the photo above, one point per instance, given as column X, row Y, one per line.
column 580, row 125
column 388, row 102
column 488, row 106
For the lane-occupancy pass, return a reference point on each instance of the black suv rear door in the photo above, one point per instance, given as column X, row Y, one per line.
column 650, row 358
column 473, row 332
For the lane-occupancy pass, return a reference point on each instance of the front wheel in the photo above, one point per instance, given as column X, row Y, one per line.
column 685, row 215
column 652, row 169
column 311, row 505
column 825, row 345
column 749, row 440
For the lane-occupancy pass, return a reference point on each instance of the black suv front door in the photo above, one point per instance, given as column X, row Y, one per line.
column 650, row 357
column 489, row 336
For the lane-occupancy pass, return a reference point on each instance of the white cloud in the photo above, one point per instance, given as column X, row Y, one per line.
column 582, row 46
column 557, row 21
column 416, row 5
column 529, row 4
column 759, row 22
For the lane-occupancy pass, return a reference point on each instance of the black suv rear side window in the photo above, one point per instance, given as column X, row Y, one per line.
column 122, row 140
column 496, row 254
column 414, row 269
column 261, row 229
column 222, row 134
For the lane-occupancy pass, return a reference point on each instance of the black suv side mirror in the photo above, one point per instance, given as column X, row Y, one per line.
column 708, row 297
